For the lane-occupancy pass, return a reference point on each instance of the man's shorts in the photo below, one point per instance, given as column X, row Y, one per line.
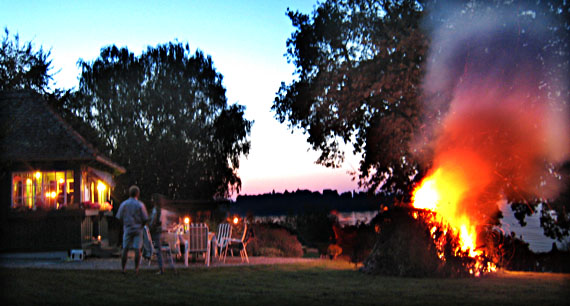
column 132, row 240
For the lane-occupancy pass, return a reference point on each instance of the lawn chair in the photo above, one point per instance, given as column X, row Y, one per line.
column 240, row 243
column 154, row 249
column 197, row 242
column 223, row 235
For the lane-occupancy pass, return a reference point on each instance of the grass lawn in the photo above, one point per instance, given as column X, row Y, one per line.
column 317, row 283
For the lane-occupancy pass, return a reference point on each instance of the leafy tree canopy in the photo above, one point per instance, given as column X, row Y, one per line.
column 22, row 67
column 358, row 68
column 165, row 117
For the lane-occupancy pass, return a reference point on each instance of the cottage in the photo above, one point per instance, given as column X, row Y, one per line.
column 56, row 187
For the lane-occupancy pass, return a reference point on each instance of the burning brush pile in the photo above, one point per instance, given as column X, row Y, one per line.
column 413, row 243
column 497, row 131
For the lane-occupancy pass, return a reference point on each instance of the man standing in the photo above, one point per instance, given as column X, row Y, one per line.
column 133, row 214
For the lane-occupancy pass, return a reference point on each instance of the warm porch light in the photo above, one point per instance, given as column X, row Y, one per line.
column 61, row 180
column 101, row 186
column 29, row 181
column 236, row 220
column 186, row 222
column 53, row 194
column 38, row 175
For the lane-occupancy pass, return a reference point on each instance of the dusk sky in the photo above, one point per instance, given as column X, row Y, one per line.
column 246, row 40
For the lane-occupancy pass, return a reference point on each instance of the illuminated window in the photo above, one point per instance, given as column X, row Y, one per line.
column 42, row 189
column 95, row 191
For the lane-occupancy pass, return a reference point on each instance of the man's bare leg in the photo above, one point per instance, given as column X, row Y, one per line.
column 124, row 259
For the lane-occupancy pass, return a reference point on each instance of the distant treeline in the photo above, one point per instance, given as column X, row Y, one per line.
column 301, row 201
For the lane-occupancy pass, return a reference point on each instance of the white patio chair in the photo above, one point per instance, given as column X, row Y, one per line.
column 241, row 243
column 222, row 236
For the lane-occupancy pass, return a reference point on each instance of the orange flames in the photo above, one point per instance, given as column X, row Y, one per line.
column 458, row 179
column 439, row 195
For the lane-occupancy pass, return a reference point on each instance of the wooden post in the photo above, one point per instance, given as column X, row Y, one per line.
column 77, row 186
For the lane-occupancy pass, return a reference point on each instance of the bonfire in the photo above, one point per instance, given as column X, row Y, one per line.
column 494, row 134
column 438, row 198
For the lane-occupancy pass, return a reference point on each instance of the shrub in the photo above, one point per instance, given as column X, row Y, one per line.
column 314, row 229
column 406, row 247
column 355, row 241
column 273, row 241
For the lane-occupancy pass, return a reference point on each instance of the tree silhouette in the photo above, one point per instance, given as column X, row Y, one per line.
column 22, row 68
column 358, row 67
column 165, row 117
column 306, row 201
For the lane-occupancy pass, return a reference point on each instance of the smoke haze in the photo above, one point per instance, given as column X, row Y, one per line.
column 496, row 99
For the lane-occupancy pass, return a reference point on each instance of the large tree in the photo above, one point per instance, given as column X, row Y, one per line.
column 358, row 75
column 164, row 116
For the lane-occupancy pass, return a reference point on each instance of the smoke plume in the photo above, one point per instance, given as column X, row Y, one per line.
column 497, row 98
